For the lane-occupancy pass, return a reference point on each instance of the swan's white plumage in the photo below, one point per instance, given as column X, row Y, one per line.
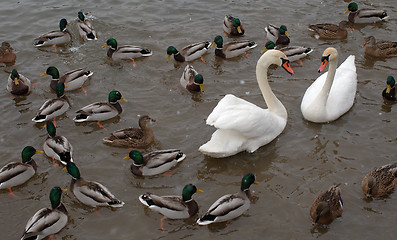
column 340, row 97
column 243, row 126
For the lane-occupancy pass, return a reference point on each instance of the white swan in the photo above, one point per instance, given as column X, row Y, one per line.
column 333, row 93
column 242, row 125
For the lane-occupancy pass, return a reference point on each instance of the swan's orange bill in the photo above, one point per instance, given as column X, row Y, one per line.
column 286, row 66
column 323, row 65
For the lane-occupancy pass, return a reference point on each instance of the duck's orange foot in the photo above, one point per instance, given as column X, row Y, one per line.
column 100, row 125
column 202, row 59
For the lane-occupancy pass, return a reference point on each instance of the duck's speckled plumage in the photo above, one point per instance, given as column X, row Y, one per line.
column 380, row 49
column 329, row 30
column 140, row 137
column 327, row 206
column 381, row 181
column 7, row 54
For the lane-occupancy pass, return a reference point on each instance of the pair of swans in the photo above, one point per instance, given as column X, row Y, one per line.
column 243, row 126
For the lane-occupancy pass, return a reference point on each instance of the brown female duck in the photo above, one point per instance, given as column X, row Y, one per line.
column 327, row 206
column 329, row 30
column 133, row 137
column 380, row 181
column 7, row 54
column 380, row 49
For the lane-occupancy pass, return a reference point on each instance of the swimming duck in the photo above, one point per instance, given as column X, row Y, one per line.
column 53, row 107
column 17, row 173
column 86, row 30
column 73, row 79
column 381, row 181
column 18, row 84
column 58, row 37
column 280, row 35
column 231, row 49
column 293, row 53
column 90, row 193
column 332, row 94
column 155, row 162
column 126, row 52
column 327, row 206
column 133, row 137
column 380, row 49
column 190, row 52
column 101, row 111
column 364, row 15
column 55, row 145
column 230, row 206
column 192, row 80
column 243, row 126
column 389, row 92
column 173, row 207
column 7, row 54
column 233, row 26
column 329, row 30
column 47, row 221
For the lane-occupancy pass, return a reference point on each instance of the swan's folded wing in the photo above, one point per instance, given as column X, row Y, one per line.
column 241, row 116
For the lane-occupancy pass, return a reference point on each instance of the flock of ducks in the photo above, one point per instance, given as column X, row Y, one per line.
column 240, row 125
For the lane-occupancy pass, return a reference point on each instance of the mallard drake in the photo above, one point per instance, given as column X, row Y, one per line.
column 73, row 79
column 125, row 52
column 133, row 137
column 293, row 53
column 230, row 206
column 55, row 145
column 47, row 221
column 389, row 92
column 233, row 26
column 231, row 49
column 58, row 37
column 53, row 107
column 7, row 54
column 101, row 111
column 86, row 30
column 192, row 80
column 17, row 173
column 380, row 49
column 190, row 52
column 364, row 15
column 332, row 94
column 329, row 30
column 173, row 207
column 155, row 162
column 381, row 181
column 327, row 206
column 90, row 193
column 279, row 36
column 18, row 84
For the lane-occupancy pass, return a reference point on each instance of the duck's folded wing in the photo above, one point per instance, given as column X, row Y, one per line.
column 170, row 202
column 41, row 220
column 225, row 204
column 158, row 158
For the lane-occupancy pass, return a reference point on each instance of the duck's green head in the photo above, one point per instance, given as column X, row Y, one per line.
column 198, row 79
column 247, row 180
column 51, row 128
column 62, row 24
column 60, row 89
column 15, row 76
column 236, row 22
column 188, row 191
column 81, row 16
column 390, row 83
column 283, row 30
column 114, row 96
column 52, row 71
column 136, row 156
column 111, row 42
column 55, row 196
column 28, row 152
column 268, row 45
column 218, row 41
column 352, row 7
column 73, row 170
column 171, row 50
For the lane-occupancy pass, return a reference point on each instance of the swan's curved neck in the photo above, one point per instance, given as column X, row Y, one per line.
column 323, row 95
column 274, row 105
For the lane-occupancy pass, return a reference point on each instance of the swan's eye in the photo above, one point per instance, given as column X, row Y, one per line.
column 323, row 58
